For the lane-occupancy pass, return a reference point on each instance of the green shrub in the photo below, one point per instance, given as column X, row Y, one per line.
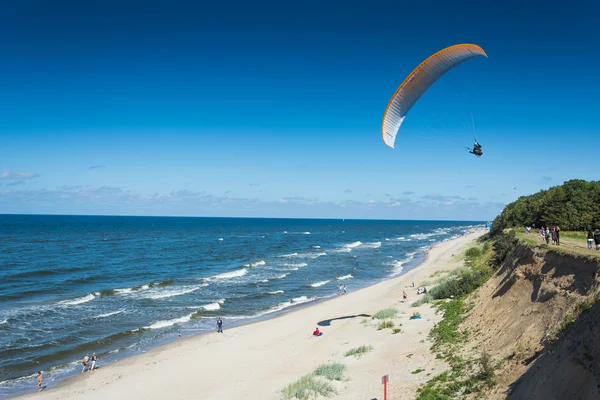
column 396, row 330
column 417, row 371
column 385, row 313
column 473, row 252
column 359, row 351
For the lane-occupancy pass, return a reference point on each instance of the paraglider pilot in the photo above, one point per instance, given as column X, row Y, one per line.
column 476, row 150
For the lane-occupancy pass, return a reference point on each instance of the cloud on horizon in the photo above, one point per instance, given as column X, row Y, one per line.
column 109, row 200
column 18, row 176
column 99, row 166
column 439, row 197
column 347, row 191
column 546, row 178
column 408, row 193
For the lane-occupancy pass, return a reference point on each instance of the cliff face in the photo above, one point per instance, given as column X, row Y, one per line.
column 519, row 317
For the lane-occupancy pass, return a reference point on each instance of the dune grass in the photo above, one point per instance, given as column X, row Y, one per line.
column 359, row 351
column 385, row 325
column 306, row 388
column 396, row 330
column 385, row 313
column 333, row 372
column 316, row 384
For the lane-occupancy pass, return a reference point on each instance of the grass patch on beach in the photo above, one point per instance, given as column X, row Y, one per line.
column 417, row 371
column 385, row 325
column 359, row 351
column 306, row 388
column 333, row 372
column 396, row 330
column 385, row 313
column 316, row 384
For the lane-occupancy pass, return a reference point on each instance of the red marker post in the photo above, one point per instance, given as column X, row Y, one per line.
column 385, row 381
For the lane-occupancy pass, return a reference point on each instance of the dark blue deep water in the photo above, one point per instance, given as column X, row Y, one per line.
column 71, row 285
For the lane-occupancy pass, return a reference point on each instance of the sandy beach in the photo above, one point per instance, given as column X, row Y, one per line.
column 257, row 360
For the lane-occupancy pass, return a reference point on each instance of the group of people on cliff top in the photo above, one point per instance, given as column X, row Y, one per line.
column 593, row 238
column 546, row 234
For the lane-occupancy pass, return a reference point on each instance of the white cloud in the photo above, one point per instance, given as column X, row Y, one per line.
column 17, row 176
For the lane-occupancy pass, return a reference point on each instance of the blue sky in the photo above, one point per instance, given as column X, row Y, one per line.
column 274, row 108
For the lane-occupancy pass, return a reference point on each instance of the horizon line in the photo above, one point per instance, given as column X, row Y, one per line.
column 232, row 217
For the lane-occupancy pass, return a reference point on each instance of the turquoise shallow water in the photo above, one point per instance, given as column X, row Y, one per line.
column 71, row 285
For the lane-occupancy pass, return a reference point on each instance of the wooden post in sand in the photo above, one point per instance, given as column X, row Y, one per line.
column 385, row 380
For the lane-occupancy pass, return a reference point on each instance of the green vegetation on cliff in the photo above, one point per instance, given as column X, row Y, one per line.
column 574, row 206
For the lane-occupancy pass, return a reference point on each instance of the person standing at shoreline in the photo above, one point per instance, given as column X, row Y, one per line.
column 219, row 325
column 93, row 360
column 85, row 362
column 40, row 378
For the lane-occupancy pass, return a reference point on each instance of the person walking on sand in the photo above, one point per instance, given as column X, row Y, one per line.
column 85, row 362
column 93, row 360
column 219, row 325
column 404, row 296
column 590, row 239
column 39, row 381
column 179, row 333
column 345, row 289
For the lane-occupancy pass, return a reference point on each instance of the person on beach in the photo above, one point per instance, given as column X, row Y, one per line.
column 404, row 296
column 345, row 289
column 341, row 289
column 558, row 235
column 93, row 360
column 317, row 332
column 39, row 380
column 85, row 362
column 554, row 235
column 179, row 332
column 219, row 325
column 547, row 235
column 590, row 239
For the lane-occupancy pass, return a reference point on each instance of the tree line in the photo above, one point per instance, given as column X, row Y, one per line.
column 574, row 206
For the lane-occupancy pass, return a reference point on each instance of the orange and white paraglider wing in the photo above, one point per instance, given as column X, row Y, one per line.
column 418, row 81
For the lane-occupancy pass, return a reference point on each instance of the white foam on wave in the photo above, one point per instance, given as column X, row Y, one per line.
column 124, row 291
column 297, row 265
column 233, row 274
column 341, row 278
column 170, row 322
column 173, row 293
column 281, row 276
column 214, row 306
column 397, row 264
column 276, row 292
column 4, row 321
column 220, row 239
column 108, row 314
column 264, row 281
column 374, row 245
column 79, row 300
column 316, row 247
column 318, row 284
column 288, row 255
column 421, row 236
column 403, row 239
column 255, row 264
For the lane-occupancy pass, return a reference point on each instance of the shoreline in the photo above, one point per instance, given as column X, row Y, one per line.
column 97, row 381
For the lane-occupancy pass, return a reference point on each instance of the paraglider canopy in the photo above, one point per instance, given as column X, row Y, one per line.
column 418, row 81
